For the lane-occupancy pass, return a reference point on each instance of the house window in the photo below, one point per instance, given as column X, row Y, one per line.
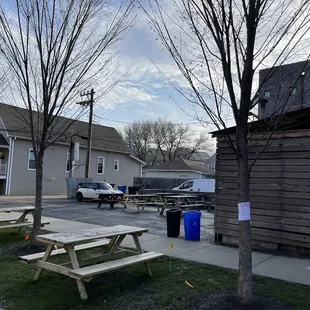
column 267, row 93
column 68, row 162
column 293, row 90
column 100, row 165
column 31, row 160
column 116, row 165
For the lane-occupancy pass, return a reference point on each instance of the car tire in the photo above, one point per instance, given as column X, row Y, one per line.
column 79, row 196
column 112, row 205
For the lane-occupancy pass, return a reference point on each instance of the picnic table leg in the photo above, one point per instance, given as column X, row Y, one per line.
column 114, row 244
column 140, row 251
column 124, row 204
column 162, row 210
column 44, row 259
column 22, row 217
column 75, row 265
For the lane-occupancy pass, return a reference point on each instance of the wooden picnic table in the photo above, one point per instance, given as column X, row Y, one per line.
column 108, row 239
column 141, row 200
column 165, row 194
column 141, row 195
column 177, row 198
column 177, row 202
column 17, row 221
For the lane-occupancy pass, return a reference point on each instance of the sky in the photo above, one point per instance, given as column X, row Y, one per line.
column 144, row 94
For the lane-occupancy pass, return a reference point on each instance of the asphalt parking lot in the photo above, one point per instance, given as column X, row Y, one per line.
column 88, row 212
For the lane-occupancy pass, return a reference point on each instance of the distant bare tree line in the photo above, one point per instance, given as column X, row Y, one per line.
column 169, row 141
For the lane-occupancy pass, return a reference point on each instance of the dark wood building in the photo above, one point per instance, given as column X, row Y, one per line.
column 279, row 184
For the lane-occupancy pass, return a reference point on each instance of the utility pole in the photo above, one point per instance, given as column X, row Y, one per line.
column 302, row 89
column 129, row 139
column 89, row 102
column 71, row 147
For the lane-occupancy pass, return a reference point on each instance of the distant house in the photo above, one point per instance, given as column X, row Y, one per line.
column 179, row 169
column 207, row 162
column 283, row 89
column 111, row 159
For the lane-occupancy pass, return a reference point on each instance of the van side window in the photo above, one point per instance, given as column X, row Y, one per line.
column 188, row 184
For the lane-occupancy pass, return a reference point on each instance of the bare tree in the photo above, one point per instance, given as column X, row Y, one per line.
column 54, row 49
column 138, row 138
column 218, row 46
column 169, row 140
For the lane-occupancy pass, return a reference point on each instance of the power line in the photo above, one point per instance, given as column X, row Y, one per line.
column 130, row 123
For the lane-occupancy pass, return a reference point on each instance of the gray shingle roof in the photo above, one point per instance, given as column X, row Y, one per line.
column 105, row 138
column 182, row 164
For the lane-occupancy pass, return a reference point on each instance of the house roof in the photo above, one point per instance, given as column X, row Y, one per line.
column 182, row 165
column 105, row 138
column 294, row 120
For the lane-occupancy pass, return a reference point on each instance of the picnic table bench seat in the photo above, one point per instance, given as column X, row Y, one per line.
column 22, row 224
column 9, row 219
column 195, row 205
column 91, row 245
column 86, row 272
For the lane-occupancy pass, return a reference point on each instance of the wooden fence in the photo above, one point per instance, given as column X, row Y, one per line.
column 279, row 191
column 158, row 183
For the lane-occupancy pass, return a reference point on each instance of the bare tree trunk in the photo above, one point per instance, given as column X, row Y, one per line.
column 245, row 252
column 38, row 200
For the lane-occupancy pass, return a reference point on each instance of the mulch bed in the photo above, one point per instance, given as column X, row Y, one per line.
column 20, row 249
column 228, row 301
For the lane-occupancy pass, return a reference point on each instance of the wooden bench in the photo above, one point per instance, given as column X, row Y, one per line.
column 35, row 257
column 87, row 272
column 22, row 224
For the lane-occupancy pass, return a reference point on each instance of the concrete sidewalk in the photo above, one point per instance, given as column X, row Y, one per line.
column 21, row 197
column 278, row 267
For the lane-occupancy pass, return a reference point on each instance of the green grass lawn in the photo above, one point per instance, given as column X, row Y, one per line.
column 129, row 288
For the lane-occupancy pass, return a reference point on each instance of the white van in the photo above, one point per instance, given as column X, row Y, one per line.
column 197, row 185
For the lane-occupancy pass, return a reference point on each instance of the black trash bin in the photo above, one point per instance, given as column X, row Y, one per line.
column 173, row 222
column 131, row 190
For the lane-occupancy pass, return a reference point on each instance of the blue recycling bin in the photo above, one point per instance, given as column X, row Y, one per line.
column 122, row 188
column 192, row 225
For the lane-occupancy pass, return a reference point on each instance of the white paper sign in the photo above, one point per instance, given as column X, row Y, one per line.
column 244, row 211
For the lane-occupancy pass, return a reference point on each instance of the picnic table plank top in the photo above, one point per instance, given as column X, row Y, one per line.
column 89, row 234
column 142, row 195
column 12, row 209
column 181, row 196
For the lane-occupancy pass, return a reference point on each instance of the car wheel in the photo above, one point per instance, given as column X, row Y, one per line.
column 112, row 205
column 79, row 196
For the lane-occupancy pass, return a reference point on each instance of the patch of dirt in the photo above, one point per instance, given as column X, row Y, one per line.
column 228, row 301
column 20, row 249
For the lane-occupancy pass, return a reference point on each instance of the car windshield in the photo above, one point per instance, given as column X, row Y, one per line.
column 104, row 186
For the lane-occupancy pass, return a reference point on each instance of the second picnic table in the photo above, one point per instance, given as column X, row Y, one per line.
column 189, row 201
column 20, row 220
column 108, row 239
column 141, row 200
